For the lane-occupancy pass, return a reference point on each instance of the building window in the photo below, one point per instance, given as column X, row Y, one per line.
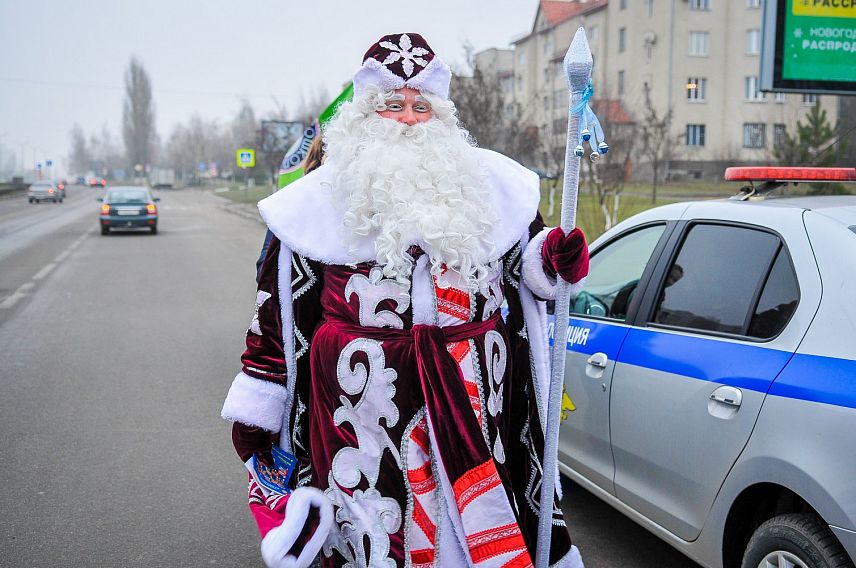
column 753, row 3
column 779, row 135
column 507, row 84
column 593, row 33
column 620, row 83
column 560, row 125
column 699, row 44
column 753, row 42
column 649, row 8
column 696, row 89
column 780, row 97
column 521, row 59
column 695, row 134
column 699, row 4
column 754, row 135
column 559, row 68
column 622, row 40
column 751, row 89
column 809, row 99
column 548, row 46
column 560, row 98
column 546, row 102
column 622, row 5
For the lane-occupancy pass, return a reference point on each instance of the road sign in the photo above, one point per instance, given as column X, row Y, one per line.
column 49, row 163
column 246, row 157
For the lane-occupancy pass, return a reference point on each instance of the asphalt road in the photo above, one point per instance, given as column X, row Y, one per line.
column 115, row 355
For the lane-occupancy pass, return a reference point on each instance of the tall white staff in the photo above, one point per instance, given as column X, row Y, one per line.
column 578, row 64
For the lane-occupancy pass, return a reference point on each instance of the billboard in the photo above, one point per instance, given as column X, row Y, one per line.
column 809, row 46
column 278, row 135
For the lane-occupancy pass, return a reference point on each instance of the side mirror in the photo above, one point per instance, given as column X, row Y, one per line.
column 99, row 199
column 156, row 199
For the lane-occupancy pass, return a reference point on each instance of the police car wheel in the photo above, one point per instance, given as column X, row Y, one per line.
column 795, row 541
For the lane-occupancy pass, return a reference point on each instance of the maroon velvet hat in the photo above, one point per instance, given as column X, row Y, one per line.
column 403, row 60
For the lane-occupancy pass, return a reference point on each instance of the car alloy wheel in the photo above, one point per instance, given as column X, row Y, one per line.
column 782, row 559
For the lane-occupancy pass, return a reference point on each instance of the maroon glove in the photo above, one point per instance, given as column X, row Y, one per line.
column 566, row 255
column 249, row 440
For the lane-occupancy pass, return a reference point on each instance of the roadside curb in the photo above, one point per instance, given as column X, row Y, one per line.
column 246, row 210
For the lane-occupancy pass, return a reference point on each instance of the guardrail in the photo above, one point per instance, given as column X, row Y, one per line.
column 13, row 188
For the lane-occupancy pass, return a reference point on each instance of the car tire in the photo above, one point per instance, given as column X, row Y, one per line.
column 800, row 540
column 105, row 230
column 154, row 229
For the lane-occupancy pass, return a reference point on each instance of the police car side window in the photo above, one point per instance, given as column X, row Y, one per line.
column 614, row 273
column 778, row 300
column 714, row 283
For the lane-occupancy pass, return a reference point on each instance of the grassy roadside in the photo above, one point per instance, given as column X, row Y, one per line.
column 243, row 194
column 635, row 198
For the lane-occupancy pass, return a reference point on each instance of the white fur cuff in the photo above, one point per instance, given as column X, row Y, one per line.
column 255, row 402
column 277, row 542
column 533, row 270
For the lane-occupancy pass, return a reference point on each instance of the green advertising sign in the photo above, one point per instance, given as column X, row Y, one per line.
column 809, row 46
column 820, row 40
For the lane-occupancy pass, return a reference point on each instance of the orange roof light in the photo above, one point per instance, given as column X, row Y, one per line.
column 790, row 174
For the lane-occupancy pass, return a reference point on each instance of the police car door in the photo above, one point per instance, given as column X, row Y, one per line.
column 596, row 330
column 690, row 380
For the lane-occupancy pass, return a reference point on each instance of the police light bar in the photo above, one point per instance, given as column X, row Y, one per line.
column 789, row 174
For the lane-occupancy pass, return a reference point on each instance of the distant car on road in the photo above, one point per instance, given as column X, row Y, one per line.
column 44, row 191
column 97, row 182
column 712, row 363
column 128, row 207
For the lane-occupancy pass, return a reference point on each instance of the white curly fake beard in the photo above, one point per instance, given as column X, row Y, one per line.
column 405, row 185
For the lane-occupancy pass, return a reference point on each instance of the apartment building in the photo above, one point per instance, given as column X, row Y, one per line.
column 699, row 58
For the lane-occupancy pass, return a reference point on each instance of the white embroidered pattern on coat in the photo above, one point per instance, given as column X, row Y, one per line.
column 261, row 298
column 495, row 360
column 405, row 50
column 364, row 513
column 372, row 291
column 494, row 297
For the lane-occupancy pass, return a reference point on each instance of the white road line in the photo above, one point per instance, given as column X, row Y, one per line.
column 21, row 292
column 44, row 271
column 16, row 295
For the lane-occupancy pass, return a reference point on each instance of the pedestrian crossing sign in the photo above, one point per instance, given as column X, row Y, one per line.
column 246, row 157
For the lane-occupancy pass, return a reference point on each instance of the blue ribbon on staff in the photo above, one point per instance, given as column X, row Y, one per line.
column 588, row 119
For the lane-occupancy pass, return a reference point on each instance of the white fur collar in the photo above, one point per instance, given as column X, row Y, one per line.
column 304, row 216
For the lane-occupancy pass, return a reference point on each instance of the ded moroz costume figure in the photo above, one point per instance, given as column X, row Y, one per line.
column 378, row 355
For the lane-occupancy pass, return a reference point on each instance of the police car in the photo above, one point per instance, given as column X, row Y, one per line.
column 712, row 366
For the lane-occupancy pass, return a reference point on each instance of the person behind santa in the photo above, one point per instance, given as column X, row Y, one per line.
column 378, row 356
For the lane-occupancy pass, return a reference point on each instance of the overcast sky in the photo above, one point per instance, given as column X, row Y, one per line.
column 63, row 61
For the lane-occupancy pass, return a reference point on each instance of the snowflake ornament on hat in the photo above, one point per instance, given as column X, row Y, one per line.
column 403, row 60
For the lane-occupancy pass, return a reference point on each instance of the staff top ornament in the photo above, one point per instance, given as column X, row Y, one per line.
column 403, row 60
column 578, row 66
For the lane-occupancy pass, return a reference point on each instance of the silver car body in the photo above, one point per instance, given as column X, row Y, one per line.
column 686, row 432
column 41, row 191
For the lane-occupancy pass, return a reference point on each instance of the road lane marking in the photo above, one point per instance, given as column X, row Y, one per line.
column 44, row 271
column 21, row 292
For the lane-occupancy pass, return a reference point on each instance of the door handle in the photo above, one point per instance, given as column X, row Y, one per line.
column 727, row 395
column 598, row 360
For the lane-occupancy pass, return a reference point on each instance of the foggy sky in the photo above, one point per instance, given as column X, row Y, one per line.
column 63, row 61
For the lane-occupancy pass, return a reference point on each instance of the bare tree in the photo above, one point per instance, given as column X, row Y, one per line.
column 483, row 110
column 312, row 105
column 654, row 134
column 78, row 158
column 138, row 117
column 605, row 178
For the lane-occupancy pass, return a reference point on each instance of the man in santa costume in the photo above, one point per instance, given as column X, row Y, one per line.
column 377, row 354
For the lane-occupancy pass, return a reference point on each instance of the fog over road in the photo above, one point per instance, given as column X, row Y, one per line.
column 115, row 355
